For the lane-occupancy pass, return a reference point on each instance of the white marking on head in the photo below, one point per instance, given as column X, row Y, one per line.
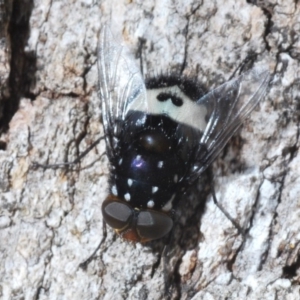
column 154, row 189
column 160, row 164
column 175, row 178
column 168, row 206
column 129, row 182
column 127, row 197
column 150, row 204
column 114, row 190
column 120, row 161
column 138, row 157
column 190, row 113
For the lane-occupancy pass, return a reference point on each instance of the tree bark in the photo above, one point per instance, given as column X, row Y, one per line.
column 50, row 219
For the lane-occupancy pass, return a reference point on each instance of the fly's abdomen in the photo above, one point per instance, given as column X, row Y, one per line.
column 147, row 179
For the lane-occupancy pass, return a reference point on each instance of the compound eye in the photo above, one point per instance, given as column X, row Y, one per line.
column 116, row 214
column 152, row 225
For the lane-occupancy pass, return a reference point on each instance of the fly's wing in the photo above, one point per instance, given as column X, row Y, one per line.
column 120, row 84
column 228, row 106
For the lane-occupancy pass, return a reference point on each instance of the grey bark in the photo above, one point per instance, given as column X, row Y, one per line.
column 50, row 220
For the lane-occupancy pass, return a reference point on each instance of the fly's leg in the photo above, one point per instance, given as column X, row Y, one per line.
column 240, row 230
column 36, row 165
column 164, row 261
column 245, row 65
column 84, row 264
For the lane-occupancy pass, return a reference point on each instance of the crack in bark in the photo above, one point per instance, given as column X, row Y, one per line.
column 23, row 64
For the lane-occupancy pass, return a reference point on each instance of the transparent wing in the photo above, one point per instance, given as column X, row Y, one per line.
column 228, row 106
column 120, row 84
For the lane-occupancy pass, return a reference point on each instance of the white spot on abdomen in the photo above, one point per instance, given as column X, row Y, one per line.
column 114, row 190
column 168, row 206
column 127, row 197
column 150, row 204
column 154, row 189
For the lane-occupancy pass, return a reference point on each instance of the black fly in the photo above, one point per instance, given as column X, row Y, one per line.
column 161, row 135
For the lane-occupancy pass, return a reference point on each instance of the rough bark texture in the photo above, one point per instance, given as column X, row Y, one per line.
column 50, row 220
